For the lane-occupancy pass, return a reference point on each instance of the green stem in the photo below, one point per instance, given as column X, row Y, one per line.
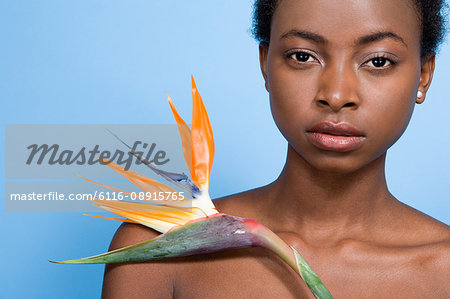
column 294, row 260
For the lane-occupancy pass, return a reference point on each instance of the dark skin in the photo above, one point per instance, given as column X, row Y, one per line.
column 333, row 207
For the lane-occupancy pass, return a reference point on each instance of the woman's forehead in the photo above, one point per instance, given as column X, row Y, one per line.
column 347, row 20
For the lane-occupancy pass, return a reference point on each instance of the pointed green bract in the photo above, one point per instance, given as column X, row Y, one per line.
column 310, row 277
column 205, row 235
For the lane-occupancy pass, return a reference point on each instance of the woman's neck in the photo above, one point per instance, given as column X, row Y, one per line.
column 316, row 203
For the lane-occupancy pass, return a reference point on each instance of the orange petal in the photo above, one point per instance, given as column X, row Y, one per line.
column 202, row 140
column 144, row 183
column 139, row 206
column 185, row 134
column 159, row 217
column 111, row 218
column 184, row 204
column 106, row 186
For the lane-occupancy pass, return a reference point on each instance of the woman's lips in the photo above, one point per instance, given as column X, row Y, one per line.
column 337, row 137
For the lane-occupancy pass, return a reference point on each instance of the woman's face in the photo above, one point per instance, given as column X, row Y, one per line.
column 343, row 77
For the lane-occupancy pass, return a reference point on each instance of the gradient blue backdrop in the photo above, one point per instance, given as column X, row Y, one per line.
column 112, row 62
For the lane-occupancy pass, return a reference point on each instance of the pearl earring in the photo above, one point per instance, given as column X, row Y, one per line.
column 419, row 94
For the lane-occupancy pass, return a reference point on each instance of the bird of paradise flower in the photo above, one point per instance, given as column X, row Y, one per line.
column 192, row 225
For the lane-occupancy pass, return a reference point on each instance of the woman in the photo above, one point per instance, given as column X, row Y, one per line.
column 343, row 79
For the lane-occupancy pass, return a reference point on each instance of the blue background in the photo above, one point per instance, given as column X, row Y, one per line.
column 112, row 62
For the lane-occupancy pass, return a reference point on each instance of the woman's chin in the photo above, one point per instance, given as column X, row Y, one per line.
column 337, row 163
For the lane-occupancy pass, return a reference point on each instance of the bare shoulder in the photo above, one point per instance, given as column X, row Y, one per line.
column 137, row 280
column 421, row 227
column 438, row 241
column 129, row 234
column 429, row 240
column 435, row 260
column 158, row 278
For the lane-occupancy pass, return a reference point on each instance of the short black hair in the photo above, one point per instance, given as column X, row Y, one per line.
column 430, row 13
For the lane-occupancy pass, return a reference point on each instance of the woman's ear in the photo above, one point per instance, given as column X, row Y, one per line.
column 263, row 49
column 426, row 75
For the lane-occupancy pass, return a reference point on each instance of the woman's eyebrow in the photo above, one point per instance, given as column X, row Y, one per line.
column 377, row 36
column 366, row 39
column 305, row 35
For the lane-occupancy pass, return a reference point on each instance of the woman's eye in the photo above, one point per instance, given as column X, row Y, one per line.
column 379, row 62
column 302, row 57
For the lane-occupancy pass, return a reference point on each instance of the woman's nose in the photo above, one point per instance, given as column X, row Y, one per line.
column 337, row 88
